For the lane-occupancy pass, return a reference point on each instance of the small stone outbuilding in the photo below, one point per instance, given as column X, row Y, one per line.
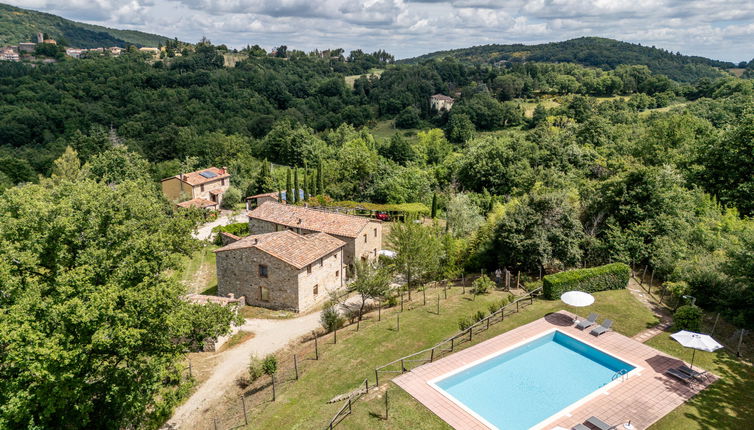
column 281, row 270
column 362, row 236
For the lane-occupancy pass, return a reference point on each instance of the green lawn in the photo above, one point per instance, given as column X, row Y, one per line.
column 343, row 366
column 726, row 404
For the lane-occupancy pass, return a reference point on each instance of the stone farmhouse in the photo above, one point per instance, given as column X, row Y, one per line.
column 440, row 102
column 203, row 188
column 362, row 236
column 281, row 270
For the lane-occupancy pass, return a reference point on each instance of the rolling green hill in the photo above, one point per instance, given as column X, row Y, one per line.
column 21, row 25
column 590, row 51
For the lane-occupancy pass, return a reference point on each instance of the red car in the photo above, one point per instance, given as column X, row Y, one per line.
column 383, row 216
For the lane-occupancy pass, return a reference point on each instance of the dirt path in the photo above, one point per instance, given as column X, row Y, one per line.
column 204, row 232
column 661, row 312
column 269, row 336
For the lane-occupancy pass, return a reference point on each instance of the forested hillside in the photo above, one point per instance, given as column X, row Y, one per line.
column 22, row 25
column 537, row 167
column 591, row 51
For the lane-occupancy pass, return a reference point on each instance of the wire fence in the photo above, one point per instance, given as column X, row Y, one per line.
column 295, row 361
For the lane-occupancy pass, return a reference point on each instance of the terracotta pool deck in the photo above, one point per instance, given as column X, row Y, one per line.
column 645, row 396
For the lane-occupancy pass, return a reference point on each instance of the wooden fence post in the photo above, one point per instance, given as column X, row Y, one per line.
column 335, row 337
column 243, row 405
column 438, row 304
column 376, row 378
column 295, row 366
column 316, row 346
column 424, row 293
column 432, row 356
column 366, row 385
column 471, row 331
column 401, row 301
column 397, row 322
column 379, row 311
column 273, row 387
column 740, row 341
column 452, row 344
column 386, row 408
column 191, row 373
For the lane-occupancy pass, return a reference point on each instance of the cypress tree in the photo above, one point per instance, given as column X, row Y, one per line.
column 295, row 185
column 288, row 192
column 320, row 184
column 306, row 184
column 434, row 206
column 280, row 196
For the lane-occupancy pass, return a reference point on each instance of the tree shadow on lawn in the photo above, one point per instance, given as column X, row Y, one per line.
column 729, row 402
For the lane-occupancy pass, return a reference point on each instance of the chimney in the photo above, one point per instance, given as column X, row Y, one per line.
column 224, row 170
column 182, row 177
column 231, row 296
column 256, row 241
column 40, row 37
column 299, row 220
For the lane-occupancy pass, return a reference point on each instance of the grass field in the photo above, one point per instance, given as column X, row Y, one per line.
column 303, row 404
column 352, row 78
column 199, row 273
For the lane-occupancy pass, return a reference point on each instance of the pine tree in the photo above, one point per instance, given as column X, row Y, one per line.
column 263, row 183
column 320, row 184
column 288, row 192
column 434, row 206
column 295, row 185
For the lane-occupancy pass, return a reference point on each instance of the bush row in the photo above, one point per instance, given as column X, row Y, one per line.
column 608, row 277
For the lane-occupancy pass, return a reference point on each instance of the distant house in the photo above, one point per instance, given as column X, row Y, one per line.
column 9, row 54
column 50, row 41
column 363, row 236
column 154, row 51
column 74, row 52
column 115, row 50
column 27, row 46
column 203, row 188
column 441, row 102
column 281, row 270
column 254, row 201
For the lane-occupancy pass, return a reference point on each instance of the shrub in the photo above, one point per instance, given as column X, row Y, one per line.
column 255, row 369
column 270, row 365
column 390, row 301
column 464, row 323
column 688, row 317
column 330, row 318
column 481, row 285
column 496, row 306
column 608, row 277
column 231, row 197
column 479, row 315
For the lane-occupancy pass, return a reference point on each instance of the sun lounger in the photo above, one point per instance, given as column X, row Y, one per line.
column 598, row 423
column 605, row 326
column 588, row 322
column 693, row 373
column 674, row 372
column 580, row 427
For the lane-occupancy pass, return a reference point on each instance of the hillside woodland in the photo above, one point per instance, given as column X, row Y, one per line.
column 537, row 167
column 22, row 25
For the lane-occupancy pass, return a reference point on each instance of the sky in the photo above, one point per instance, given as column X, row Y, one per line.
column 719, row 29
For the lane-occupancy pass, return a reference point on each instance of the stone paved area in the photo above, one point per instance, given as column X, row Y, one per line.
column 644, row 397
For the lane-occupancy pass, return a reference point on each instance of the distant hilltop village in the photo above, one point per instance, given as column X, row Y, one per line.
column 29, row 49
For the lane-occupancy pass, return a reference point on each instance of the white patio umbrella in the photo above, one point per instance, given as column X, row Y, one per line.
column 577, row 298
column 702, row 342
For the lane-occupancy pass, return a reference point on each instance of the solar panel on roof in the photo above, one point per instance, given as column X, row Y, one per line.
column 208, row 174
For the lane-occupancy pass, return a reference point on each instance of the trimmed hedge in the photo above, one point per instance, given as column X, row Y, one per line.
column 239, row 229
column 608, row 277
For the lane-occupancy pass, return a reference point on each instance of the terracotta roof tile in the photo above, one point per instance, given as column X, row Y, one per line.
column 295, row 249
column 195, row 178
column 197, row 203
column 310, row 219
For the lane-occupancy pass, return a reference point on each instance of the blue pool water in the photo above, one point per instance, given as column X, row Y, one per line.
column 524, row 386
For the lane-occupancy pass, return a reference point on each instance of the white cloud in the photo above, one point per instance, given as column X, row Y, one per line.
column 718, row 28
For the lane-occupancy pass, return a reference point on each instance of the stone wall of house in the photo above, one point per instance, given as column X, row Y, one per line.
column 369, row 242
column 327, row 274
column 203, row 191
column 258, row 226
column 289, row 288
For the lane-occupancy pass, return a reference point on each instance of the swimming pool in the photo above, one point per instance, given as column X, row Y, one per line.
column 519, row 388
